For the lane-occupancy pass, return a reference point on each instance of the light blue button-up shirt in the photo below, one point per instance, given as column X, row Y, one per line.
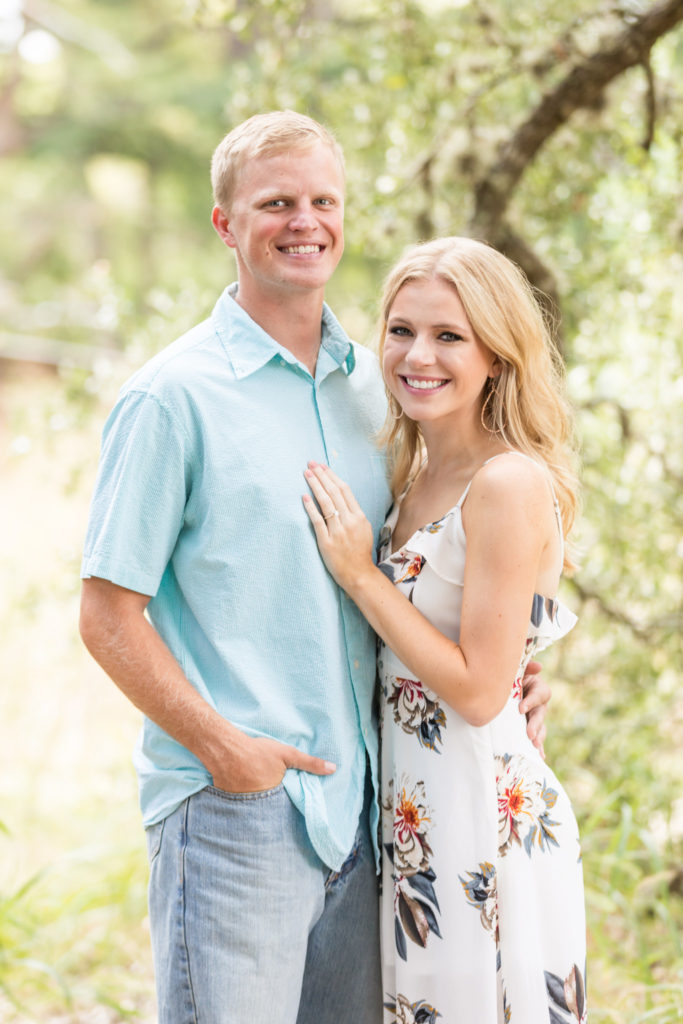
column 198, row 504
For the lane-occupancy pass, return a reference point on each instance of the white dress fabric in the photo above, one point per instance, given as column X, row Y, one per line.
column 482, row 890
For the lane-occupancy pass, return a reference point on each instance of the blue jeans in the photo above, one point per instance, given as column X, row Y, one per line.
column 250, row 927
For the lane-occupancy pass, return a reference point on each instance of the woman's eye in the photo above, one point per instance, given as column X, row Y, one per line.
column 450, row 336
column 401, row 332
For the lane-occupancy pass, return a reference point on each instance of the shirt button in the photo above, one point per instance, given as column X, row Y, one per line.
column 356, row 663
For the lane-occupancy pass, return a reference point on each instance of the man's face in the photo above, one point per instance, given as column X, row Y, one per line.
column 286, row 221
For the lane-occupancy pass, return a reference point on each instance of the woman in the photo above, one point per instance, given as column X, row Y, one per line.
column 482, row 914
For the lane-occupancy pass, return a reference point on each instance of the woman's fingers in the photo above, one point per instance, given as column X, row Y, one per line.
column 343, row 533
column 341, row 494
column 343, row 489
column 326, row 492
column 325, row 500
column 313, row 511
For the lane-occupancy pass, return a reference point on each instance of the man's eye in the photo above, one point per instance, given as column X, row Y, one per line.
column 275, row 202
column 325, row 202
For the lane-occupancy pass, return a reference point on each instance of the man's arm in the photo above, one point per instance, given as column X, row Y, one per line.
column 126, row 645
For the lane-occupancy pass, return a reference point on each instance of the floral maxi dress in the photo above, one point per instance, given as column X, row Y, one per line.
column 482, row 891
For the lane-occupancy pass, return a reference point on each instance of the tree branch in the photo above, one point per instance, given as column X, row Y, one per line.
column 650, row 105
column 581, row 88
column 643, row 631
column 539, row 274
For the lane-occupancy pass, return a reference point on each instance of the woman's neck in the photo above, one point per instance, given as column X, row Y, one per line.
column 457, row 449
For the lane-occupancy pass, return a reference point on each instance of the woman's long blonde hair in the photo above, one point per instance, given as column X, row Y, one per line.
column 525, row 406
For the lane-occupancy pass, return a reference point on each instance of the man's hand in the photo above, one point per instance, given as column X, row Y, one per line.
column 534, row 703
column 261, row 764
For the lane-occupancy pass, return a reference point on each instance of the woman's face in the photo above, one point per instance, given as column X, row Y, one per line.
column 434, row 364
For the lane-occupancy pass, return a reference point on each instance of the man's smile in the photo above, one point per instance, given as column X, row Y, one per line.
column 301, row 250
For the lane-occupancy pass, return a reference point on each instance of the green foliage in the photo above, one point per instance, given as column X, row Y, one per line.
column 69, row 935
column 105, row 202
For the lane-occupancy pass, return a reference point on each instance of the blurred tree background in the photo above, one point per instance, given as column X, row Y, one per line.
column 553, row 130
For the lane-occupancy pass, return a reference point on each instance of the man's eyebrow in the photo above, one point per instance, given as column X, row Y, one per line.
column 328, row 192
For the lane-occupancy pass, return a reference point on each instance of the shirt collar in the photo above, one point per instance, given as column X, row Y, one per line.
column 249, row 347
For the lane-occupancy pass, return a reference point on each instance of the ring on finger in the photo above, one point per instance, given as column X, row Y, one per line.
column 332, row 514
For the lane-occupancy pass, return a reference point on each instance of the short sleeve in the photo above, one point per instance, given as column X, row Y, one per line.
column 141, row 491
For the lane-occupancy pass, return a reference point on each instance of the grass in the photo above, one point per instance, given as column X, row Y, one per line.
column 73, row 931
column 73, row 936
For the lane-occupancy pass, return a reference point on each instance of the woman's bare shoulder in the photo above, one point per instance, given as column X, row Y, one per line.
column 512, row 480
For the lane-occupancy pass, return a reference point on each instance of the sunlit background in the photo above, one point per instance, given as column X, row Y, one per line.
column 109, row 113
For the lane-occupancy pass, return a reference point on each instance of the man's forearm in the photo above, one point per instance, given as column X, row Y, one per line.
column 126, row 645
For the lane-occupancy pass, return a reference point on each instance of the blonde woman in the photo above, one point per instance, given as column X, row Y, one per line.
column 482, row 916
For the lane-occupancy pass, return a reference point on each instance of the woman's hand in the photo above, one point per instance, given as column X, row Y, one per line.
column 343, row 533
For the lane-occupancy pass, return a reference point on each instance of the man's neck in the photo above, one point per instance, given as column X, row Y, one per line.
column 294, row 320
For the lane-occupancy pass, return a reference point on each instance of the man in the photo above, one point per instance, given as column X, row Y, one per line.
column 257, row 761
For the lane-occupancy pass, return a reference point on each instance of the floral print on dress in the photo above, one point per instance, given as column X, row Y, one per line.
column 512, row 831
column 529, row 650
column 434, row 527
column 403, row 569
column 406, row 1012
column 543, row 605
column 567, row 999
column 384, row 538
column 417, row 711
column 524, row 804
column 481, row 890
column 415, row 901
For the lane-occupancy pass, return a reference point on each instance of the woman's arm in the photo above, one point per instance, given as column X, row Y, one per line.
column 506, row 524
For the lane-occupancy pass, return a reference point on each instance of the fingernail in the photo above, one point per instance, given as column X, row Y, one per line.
column 329, row 767
column 307, row 472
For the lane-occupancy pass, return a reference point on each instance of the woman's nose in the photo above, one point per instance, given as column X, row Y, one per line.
column 420, row 352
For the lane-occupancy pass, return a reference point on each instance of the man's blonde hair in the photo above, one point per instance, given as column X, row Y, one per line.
column 264, row 135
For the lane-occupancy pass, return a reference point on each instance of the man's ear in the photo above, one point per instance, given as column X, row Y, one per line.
column 222, row 225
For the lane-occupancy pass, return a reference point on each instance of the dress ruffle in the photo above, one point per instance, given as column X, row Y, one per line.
column 550, row 621
column 442, row 545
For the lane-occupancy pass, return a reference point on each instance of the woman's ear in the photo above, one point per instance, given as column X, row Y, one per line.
column 496, row 367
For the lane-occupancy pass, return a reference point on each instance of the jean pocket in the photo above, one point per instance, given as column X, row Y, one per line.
column 153, row 834
column 258, row 794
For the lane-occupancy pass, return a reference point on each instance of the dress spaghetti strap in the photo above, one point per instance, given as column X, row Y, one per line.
column 556, row 504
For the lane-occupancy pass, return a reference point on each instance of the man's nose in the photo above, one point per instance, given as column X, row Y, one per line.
column 302, row 217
